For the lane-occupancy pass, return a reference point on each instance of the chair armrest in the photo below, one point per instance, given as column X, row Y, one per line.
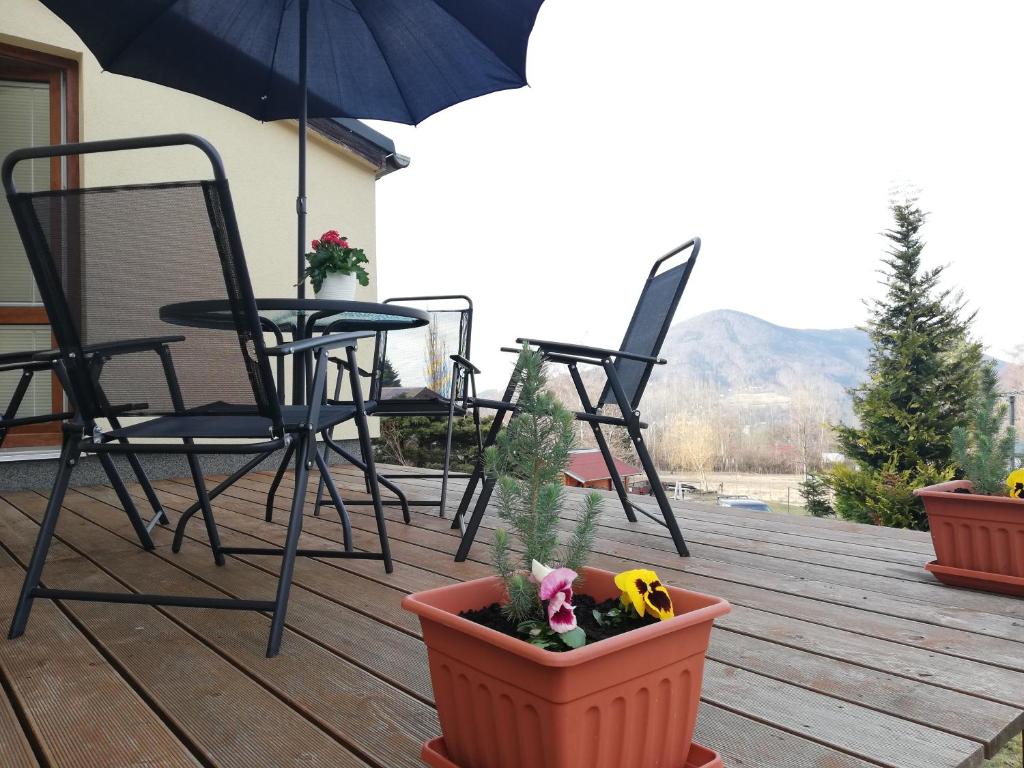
column 497, row 405
column 593, row 353
column 327, row 341
column 464, row 362
column 28, row 365
column 130, row 346
column 13, row 358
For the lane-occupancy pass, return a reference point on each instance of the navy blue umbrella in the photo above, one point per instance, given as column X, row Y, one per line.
column 397, row 60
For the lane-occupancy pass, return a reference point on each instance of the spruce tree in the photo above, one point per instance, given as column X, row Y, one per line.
column 816, row 496
column 984, row 449
column 922, row 377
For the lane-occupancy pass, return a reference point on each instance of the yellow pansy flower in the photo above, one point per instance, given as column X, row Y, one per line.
column 1015, row 482
column 642, row 590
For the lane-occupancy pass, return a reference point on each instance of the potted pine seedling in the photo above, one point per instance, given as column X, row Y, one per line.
column 550, row 663
column 977, row 524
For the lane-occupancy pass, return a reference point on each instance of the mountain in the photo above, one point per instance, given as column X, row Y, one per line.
column 739, row 353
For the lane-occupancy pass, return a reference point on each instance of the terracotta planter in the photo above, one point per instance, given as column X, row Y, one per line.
column 626, row 702
column 979, row 540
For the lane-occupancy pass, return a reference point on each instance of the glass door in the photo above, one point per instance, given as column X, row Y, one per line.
column 34, row 99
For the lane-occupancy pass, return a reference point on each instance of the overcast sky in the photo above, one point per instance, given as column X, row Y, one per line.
column 773, row 130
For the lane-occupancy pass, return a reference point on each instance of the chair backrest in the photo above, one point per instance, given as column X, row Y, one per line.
column 415, row 364
column 107, row 258
column 650, row 322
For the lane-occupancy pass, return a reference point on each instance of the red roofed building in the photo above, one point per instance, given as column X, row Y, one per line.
column 587, row 470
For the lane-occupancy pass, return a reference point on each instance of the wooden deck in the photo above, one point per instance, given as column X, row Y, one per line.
column 840, row 651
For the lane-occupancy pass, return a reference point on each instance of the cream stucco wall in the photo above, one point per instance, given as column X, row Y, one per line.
column 261, row 158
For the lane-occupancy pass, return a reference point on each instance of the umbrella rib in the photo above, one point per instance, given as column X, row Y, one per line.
column 273, row 60
column 401, row 91
column 121, row 51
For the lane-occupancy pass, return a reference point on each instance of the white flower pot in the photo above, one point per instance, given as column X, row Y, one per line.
column 338, row 287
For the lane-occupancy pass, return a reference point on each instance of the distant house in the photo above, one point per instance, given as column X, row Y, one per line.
column 587, row 470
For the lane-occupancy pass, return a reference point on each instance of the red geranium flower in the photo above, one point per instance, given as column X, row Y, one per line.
column 316, row 244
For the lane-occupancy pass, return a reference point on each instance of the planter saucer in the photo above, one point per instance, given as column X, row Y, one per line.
column 435, row 755
column 982, row 580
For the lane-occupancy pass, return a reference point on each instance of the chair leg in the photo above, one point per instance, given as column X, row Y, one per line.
column 126, row 501
column 447, row 456
column 659, row 493
column 68, row 460
column 291, row 544
column 161, row 517
column 467, row 496
column 326, row 479
column 323, row 465
column 204, row 504
column 277, row 480
column 474, row 521
column 609, row 461
column 359, row 464
column 366, row 447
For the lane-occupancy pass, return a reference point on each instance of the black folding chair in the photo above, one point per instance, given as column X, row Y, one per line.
column 105, row 260
column 627, row 371
column 423, row 371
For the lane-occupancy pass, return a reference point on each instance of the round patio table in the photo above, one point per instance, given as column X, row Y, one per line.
column 288, row 314
column 301, row 319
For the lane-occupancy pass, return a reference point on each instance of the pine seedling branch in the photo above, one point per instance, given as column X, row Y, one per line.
column 528, row 461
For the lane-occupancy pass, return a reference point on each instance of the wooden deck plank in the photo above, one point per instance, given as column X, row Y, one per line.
column 996, row 613
column 969, row 749
column 393, row 655
column 14, row 740
column 830, row 528
column 884, row 739
column 380, row 723
column 221, row 711
column 1001, row 721
column 1003, row 715
column 746, row 743
column 799, row 674
column 927, row 704
column 861, row 620
column 80, row 711
column 954, row 609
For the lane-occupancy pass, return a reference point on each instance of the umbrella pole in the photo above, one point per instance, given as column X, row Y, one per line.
column 298, row 363
column 300, row 202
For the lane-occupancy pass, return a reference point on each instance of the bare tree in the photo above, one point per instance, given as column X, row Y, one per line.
column 693, row 437
column 810, row 414
column 436, row 368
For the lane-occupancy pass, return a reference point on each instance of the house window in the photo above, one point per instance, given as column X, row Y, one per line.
column 38, row 106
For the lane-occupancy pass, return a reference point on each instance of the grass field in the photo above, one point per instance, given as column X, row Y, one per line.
column 1011, row 757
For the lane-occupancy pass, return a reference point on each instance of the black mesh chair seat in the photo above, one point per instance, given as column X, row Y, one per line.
column 415, row 401
column 222, row 420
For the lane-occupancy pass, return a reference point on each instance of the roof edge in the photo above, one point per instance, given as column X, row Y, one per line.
column 373, row 146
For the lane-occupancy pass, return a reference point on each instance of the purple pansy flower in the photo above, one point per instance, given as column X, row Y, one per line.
column 556, row 590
